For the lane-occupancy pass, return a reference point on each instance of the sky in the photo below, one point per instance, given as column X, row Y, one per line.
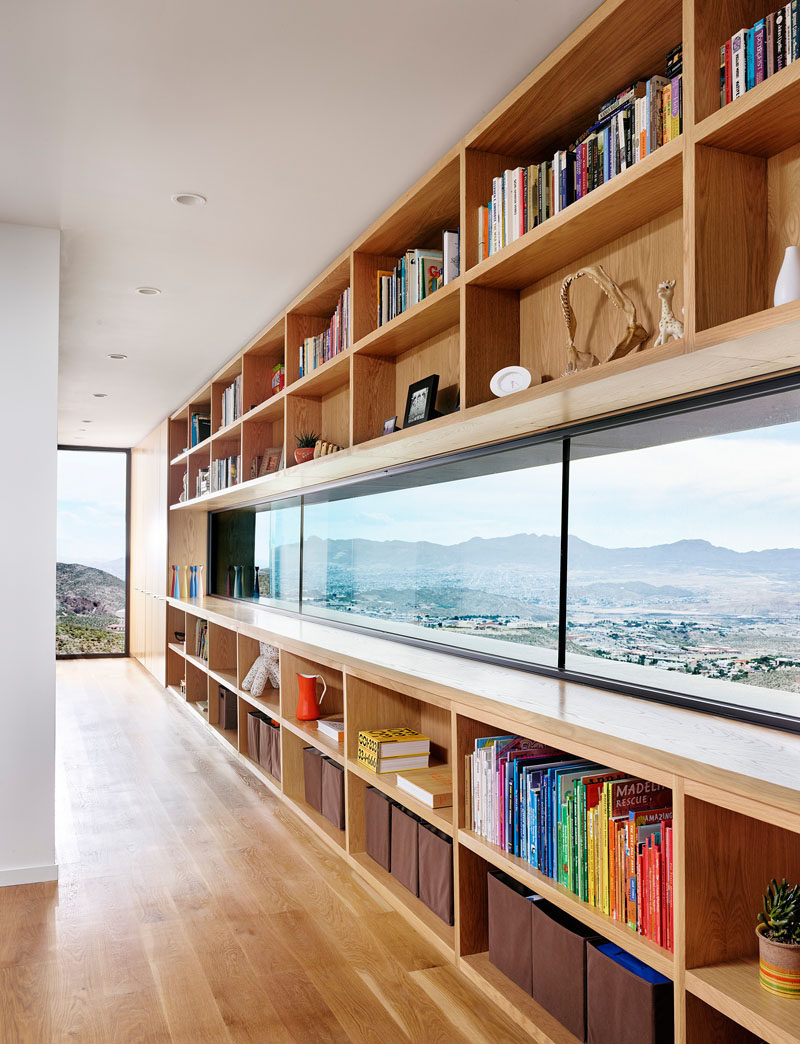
column 91, row 507
column 740, row 491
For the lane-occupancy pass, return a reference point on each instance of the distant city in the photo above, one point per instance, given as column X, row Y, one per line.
column 688, row 606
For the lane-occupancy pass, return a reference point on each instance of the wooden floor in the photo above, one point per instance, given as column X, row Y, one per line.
column 192, row 906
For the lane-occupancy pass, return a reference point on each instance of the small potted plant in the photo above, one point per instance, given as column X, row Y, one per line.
column 778, row 931
column 306, row 441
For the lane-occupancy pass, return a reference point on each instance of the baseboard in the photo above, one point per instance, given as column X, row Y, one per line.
column 29, row 875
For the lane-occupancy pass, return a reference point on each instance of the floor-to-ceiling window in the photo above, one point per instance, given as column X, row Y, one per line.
column 92, row 552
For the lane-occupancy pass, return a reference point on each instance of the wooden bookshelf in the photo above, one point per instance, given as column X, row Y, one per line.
column 683, row 213
column 735, row 818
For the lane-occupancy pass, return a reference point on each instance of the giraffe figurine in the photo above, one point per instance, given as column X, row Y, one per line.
column 668, row 325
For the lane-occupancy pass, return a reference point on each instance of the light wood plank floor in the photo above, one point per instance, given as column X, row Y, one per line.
column 192, row 906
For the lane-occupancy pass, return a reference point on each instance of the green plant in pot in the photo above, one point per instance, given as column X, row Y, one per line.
column 306, row 441
column 778, row 931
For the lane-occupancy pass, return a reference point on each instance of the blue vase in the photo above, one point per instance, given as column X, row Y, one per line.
column 256, row 592
column 237, row 581
column 193, row 581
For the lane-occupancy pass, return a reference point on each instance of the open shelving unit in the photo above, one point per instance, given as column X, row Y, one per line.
column 712, row 209
column 731, row 834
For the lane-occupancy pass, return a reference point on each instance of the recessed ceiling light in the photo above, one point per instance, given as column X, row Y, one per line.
column 100, row 395
column 86, row 422
column 189, row 199
column 148, row 291
column 117, row 355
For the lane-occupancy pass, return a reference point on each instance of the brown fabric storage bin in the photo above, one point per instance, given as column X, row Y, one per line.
column 436, row 871
column 623, row 1008
column 333, row 792
column 312, row 777
column 228, row 716
column 264, row 742
column 253, row 728
column 559, row 965
column 405, row 849
column 378, row 827
column 510, row 928
column 275, row 750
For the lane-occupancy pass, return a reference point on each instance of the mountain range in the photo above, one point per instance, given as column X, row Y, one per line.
column 541, row 553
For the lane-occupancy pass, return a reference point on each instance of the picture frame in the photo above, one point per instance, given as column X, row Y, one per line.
column 421, row 401
column 270, row 461
column 390, row 425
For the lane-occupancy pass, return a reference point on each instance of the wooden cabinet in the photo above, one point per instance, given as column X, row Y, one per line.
column 149, row 551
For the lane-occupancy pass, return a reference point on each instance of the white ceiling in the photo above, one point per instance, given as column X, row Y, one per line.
column 300, row 122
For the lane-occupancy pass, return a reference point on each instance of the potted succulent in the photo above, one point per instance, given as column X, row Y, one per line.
column 306, row 441
column 778, row 933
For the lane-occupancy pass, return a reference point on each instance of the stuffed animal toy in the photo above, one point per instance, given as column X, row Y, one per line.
column 264, row 670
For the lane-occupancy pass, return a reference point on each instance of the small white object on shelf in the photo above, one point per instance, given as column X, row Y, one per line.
column 787, row 286
column 509, row 380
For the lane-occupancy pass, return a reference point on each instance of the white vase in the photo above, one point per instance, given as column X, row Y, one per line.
column 787, row 287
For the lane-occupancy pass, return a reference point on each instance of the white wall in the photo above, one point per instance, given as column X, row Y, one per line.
column 29, row 274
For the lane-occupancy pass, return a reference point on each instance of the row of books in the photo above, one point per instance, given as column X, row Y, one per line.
column 392, row 750
column 417, row 274
column 200, row 427
column 604, row 835
column 629, row 127
column 201, row 639
column 752, row 55
column 232, row 402
column 314, row 351
column 225, row 472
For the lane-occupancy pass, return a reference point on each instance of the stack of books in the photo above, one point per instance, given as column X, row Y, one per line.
column 314, row 351
column 393, row 750
column 232, row 402
column 751, row 55
column 417, row 274
column 225, row 472
column 200, row 427
column 604, row 835
column 629, row 126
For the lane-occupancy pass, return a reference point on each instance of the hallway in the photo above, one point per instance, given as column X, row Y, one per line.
column 193, row 907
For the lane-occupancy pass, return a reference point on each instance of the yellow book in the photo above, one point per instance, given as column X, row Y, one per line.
column 389, row 743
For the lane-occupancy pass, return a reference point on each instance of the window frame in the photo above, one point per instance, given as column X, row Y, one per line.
column 694, row 403
column 127, row 650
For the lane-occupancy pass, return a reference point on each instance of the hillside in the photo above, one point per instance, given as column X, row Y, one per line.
column 85, row 590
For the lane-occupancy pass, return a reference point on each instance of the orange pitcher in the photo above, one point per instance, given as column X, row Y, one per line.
column 307, row 702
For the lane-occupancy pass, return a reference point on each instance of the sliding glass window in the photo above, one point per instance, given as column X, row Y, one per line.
column 255, row 554
column 684, row 553
column 466, row 554
column 681, row 578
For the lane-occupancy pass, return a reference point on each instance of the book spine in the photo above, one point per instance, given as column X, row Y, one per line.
column 780, row 39
column 750, row 65
column 795, row 30
column 738, row 57
column 758, row 52
column 769, row 44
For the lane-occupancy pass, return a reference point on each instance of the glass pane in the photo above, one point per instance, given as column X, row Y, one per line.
column 255, row 554
column 467, row 555
column 92, row 552
column 684, row 554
